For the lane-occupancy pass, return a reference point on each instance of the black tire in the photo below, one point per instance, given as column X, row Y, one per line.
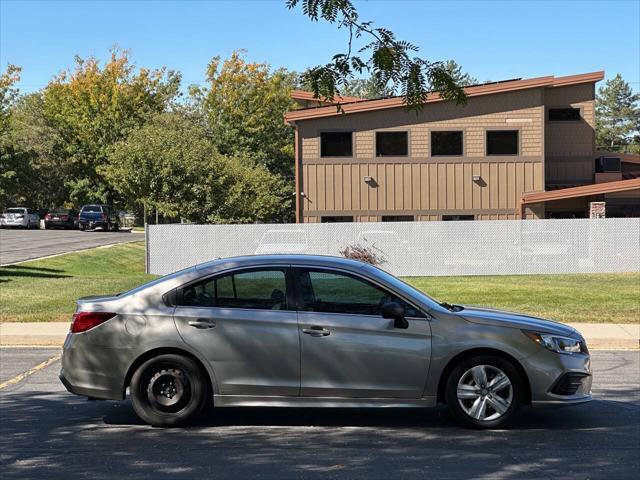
column 106, row 227
column 116, row 227
column 169, row 391
column 491, row 364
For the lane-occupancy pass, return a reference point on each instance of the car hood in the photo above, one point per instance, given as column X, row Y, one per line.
column 488, row 316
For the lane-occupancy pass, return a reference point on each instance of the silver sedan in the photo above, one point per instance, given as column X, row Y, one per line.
column 313, row 331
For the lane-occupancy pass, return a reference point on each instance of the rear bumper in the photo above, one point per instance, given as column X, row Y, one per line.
column 86, row 391
column 83, row 369
column 13, row 223
column 91, row 224
column 58, row 224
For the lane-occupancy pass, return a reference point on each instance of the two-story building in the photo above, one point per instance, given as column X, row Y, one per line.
column 517, row 149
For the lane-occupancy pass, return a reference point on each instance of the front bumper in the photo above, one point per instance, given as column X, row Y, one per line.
column 559, row 379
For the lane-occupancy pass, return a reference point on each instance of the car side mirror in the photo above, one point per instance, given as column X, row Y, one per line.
column 396, row 311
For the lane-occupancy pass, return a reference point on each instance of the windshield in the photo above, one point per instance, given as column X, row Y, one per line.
column 92, row 208
column 402, row 285
column 15, row 210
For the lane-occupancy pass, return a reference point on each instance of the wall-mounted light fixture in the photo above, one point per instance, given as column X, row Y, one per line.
column 370, row 181
column 476, row 178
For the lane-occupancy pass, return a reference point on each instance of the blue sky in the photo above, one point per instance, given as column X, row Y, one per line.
column 492, row 40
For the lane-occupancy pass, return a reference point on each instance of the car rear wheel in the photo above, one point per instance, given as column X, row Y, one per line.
column 484, row 391
column 169, row 391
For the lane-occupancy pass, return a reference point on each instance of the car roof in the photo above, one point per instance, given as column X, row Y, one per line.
column 293, row 259
column 173, row 280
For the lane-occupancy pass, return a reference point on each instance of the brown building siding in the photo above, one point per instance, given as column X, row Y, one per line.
column 570, row 146
column 430, row 189
column 420, row 184
column 427, row 187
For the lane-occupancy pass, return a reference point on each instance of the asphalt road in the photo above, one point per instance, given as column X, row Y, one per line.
column 21, row 245
column 48, row 433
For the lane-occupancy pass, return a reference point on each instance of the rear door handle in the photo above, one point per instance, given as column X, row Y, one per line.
column 202, row 323
column 316, row 331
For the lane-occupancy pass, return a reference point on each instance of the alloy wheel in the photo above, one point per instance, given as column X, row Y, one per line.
column 485, row 392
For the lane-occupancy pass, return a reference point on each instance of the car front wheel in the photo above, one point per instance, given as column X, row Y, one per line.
column 168, row 391
column 484, row 391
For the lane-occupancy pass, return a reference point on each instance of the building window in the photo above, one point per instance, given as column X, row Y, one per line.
column 336, row 219
column 564, row 114
column 457, row 218
column 502, row 142
column 392, row 144
column 336, row 144
column 397, row 218
column 446, row 143
column 607, row 164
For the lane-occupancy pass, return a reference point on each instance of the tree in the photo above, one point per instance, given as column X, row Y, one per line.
column 461, row 78
column 171, row 164
column 391, row 60
column 617, row 116
column 15, row 163
column 8, row 94
column 244, row 106
column 73, row 121
column 368, row 88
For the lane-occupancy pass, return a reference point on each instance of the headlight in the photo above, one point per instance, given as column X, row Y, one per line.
column 555, row 343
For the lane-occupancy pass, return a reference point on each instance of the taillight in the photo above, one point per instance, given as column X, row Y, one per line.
column 64, row 217
column 83, row 321
column 48, row 216
column 104, row 216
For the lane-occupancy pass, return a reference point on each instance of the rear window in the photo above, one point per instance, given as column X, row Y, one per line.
column 15, row 210
column 62, row 211
column 92, row 208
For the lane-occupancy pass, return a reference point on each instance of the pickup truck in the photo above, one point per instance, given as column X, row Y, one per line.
column 98, row 216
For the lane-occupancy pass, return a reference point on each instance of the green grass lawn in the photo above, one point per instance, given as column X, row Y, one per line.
column 45, row 290
column 591, row 298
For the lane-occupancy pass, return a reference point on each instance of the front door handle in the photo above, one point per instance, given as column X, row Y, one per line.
column 316, row 331
column 202, row 323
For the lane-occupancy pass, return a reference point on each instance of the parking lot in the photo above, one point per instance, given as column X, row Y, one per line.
column 21, row 245
column 48, row 433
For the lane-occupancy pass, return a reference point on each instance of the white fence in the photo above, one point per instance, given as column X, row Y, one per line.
column 418, row 248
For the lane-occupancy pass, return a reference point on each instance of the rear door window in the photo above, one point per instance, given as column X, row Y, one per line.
column 259, row 289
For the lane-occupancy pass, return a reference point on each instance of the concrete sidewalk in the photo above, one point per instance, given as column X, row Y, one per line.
column 599, row 336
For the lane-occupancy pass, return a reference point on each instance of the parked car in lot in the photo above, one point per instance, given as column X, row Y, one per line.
column 20, row 217
column 98, row 216
column 61, row 218
column 282, row 241
column 303, row 330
